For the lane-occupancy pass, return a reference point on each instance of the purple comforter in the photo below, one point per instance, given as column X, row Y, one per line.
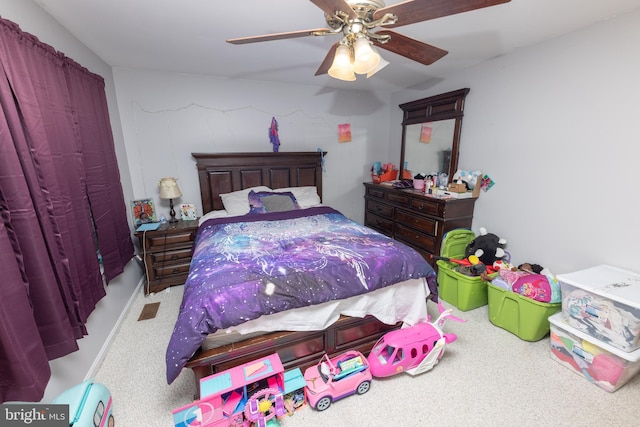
column 253, row 265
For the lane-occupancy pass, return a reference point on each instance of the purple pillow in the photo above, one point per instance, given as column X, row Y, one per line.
column 268, row 201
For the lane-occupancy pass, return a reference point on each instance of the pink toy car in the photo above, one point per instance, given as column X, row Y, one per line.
column 333, row 379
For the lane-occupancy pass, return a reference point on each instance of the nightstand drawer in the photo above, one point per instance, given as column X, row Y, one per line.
column 167, row 254
column 416, row 238
column 171, row 255
column 426, row 225
column 164, row 239
column 167, row 270
column 380, row 209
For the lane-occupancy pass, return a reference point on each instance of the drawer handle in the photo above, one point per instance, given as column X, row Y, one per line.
column 175, row 271
column 174, row 257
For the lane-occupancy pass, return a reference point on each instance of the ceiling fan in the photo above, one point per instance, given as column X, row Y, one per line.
column 356, row 21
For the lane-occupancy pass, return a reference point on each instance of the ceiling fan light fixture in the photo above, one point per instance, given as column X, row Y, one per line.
column 362, row 21
column 383, row 63
column 341, row 67
column 366, row 60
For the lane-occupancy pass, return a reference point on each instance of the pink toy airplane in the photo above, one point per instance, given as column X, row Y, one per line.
column 413, row 350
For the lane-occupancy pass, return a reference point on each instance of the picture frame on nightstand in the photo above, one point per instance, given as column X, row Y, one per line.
column 188, row 212
column 143, row 211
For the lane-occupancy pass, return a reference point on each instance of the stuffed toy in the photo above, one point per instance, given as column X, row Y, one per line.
column 502, row 264
column 487, row 247
column 531, row 268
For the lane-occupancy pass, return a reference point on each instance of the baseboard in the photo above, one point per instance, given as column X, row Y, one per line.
column 93, row 370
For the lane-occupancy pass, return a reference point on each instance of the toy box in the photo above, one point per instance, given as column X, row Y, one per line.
column 601, row 364
column 463, row 291
column 520, row 315
column 603, row 302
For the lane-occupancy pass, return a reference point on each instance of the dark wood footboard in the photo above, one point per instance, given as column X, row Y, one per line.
column 296, row 349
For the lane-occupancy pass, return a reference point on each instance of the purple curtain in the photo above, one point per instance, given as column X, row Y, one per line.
column 61, row 203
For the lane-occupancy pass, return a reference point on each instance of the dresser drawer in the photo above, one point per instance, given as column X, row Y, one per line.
column 426, row 206
column 383, row 225
column 167, row 270
column 171, row 255
column 415, row 238
column 426, row 225
column 399, row 198
column 375, row 192
column 380, row 209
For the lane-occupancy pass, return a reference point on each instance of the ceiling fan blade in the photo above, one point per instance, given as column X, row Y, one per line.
column 328, row 61
column 278, row 36
column 330, row 6
column 413, row 49
column 412, row 11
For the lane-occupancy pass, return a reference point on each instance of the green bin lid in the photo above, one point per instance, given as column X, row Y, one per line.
column 455, row 242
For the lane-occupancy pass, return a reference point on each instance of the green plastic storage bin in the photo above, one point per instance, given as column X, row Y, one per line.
column 464, row 292
column 522, row 316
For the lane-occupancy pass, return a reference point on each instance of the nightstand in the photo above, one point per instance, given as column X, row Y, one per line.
column 167, row 254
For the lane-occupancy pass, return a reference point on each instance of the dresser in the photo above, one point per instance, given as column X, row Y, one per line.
column 415, row 218
column 166, row 254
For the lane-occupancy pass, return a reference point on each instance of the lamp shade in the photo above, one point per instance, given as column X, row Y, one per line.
column 169, row 188
column 383, row 63
column 341, row 67
column 366, row 60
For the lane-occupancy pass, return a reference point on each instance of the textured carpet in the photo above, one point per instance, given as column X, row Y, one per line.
column 488, row 377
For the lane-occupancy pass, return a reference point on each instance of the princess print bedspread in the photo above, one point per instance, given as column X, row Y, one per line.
column 253, row 265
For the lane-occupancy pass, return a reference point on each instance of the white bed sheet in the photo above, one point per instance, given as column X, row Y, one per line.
column 405, row 301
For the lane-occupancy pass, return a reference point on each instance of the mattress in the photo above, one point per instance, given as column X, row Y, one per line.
column 405, row 301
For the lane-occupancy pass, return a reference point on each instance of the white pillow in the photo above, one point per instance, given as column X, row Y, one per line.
column 306, row 196
column 237, row 202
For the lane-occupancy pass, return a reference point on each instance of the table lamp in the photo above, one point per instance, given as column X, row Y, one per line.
column 169, row 190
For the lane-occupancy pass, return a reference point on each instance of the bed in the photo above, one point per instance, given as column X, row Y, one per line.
column 272, row 320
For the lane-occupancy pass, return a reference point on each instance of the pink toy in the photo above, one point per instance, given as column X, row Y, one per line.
column 333, row 379
column 254, row 394
column 413, row 350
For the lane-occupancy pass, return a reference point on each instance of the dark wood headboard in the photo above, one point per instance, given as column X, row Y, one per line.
column 222, row 173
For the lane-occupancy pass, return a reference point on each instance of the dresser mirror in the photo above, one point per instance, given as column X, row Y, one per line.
column 431, row 133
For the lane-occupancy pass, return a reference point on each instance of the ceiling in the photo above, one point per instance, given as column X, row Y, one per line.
column 188, row 36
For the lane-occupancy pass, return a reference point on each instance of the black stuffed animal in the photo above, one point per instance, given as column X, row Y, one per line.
column 487, row 247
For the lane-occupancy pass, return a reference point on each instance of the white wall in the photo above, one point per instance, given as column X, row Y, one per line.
column 166, row 117
column 72, row 369
column 556, row 126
